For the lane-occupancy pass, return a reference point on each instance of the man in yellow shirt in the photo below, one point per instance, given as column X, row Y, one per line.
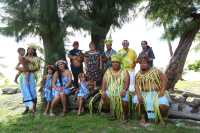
column 129, row 59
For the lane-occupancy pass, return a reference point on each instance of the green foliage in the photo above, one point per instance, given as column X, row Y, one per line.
column 195, row 66
column 35, row 17
column 20, row 18
column 176, row 15
column 97, row 16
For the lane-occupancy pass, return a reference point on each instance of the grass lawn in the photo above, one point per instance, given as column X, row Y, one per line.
column 83, row 124
column 191, row 86
column 11, row 120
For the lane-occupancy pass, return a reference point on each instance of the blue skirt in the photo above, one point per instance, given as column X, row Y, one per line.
column 28, row 89
column 66, row 91
column 48, row 94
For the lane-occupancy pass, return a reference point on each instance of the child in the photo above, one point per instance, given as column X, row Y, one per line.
column 83, row 92
column 23, row 63
column 47, row 85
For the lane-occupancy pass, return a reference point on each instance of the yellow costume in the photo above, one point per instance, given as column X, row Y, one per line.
column 129, row 58
column 149, row 84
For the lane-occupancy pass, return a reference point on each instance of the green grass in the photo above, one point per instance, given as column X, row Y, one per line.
column 83, row 124
column 11, row 120
column 191, row 86
column 8, row 86
column 188, row 84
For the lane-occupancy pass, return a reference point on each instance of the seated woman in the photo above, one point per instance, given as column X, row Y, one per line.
column 93, row 65
column 150, row 97
column 61, row 83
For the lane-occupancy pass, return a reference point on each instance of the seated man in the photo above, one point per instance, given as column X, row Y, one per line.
column 150, row 97
column 114, row 88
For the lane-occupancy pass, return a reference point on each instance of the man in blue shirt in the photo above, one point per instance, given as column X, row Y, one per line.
column 109, row 52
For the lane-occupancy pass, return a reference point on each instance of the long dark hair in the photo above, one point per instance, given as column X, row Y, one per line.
column 51, row 67
column 60, row 73
column 34, row 52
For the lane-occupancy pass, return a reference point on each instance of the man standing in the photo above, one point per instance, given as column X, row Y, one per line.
column 114, row 88
column 109, row 52
column 76, row 60
column 129, row 59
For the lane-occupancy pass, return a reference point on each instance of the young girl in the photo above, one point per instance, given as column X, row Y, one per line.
column 47, row 83
column 83, row 93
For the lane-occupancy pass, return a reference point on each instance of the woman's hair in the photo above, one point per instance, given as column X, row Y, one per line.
column 51, row 67
column 144, row 41
column 59, row 72
column 34, row 52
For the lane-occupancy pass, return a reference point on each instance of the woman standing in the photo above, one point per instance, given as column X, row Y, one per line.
column 146, row 52
column 61, row 83
column 93, row 63
column 28, row 87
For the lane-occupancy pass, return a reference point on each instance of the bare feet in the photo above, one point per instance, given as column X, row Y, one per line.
column 52, row 114
column 45, row 113
column 25, row 111
column 78, row 113
column 63, row 114
column 143, row 123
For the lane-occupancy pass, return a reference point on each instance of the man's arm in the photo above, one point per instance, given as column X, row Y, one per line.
column 163, row 80
column 104, row 86
column 70, row 56
column 151, row 54
column 134, row 60
column 104, row 83
column 138, row 93
column 126, row 85
column 127, row 81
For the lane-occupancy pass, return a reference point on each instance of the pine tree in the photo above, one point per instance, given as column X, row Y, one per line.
column 98, row 16
column 36, row 17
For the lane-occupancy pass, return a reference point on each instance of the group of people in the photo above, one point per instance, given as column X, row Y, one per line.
column 113, row 72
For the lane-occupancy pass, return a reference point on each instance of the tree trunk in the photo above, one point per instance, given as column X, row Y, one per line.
column 168, row 42
column 177, row 61
column 51, row 31
column 183, row 115
column 170, row 47
column 99, row 37
column 54, row 50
